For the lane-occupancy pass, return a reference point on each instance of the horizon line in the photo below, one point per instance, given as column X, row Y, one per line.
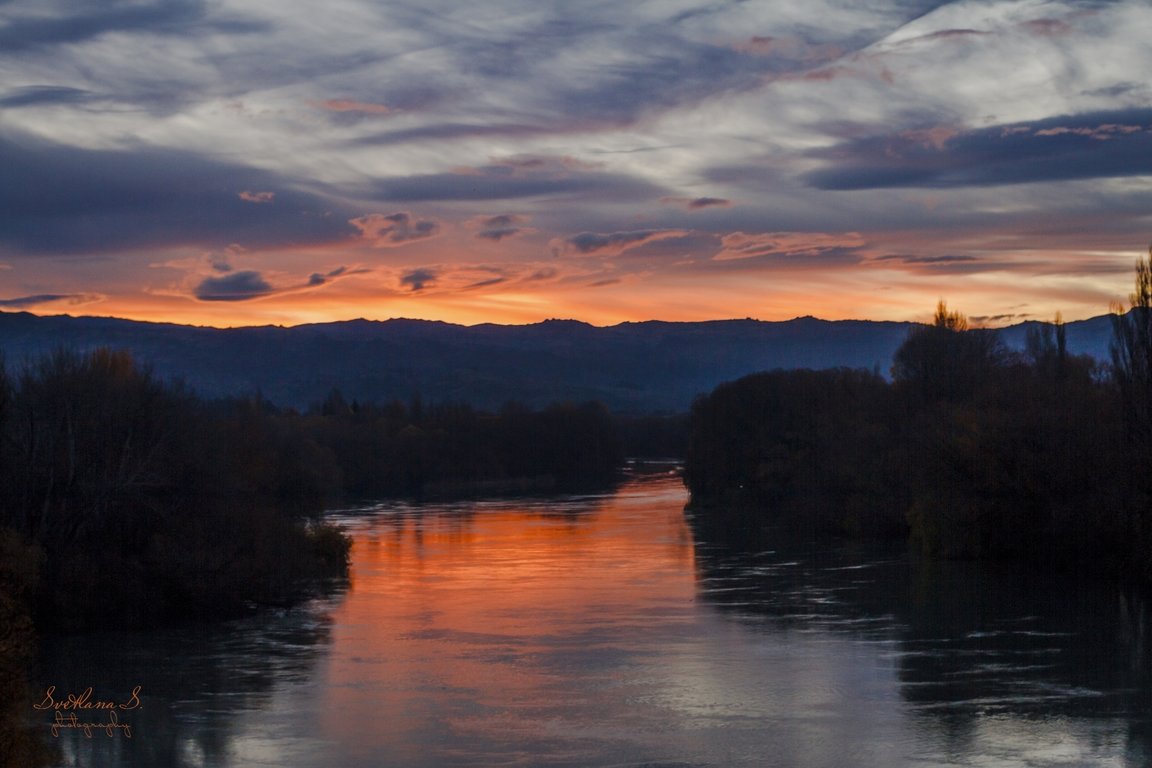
column 978, row 324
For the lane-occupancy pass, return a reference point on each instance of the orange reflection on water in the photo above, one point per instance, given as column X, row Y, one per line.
column 469, row 617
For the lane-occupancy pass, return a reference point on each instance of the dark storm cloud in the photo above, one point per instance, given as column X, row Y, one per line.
column 237, row 286
column 418, row 279
column 86, row 20
column 61, row 199
column 1085, row 146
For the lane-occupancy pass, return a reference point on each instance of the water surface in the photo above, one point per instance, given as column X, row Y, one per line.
column 612, row 630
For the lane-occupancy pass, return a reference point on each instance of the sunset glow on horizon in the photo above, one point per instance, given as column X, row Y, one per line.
column 224, row 163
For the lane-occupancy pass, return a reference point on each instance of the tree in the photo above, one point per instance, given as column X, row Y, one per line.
column 946, row 360
column 1131, row 350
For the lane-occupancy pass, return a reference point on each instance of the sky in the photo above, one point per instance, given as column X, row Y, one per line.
column 249, row 162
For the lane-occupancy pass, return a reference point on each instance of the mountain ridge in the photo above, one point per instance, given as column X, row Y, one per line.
column 640, row 366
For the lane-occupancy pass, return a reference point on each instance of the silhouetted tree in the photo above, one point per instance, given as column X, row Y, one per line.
column 1046, row 346
column 946, row 360
column 1131, row 350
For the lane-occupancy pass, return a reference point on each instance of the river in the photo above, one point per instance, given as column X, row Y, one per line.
column 613, row 630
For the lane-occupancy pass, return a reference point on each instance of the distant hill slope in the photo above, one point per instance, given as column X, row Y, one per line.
column 638, row 367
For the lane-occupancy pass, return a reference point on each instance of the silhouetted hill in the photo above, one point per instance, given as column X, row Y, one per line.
column 641, row 367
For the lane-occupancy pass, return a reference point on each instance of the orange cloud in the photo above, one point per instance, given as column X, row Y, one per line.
column 394, row 229
column 739, row 245
column 611, row 243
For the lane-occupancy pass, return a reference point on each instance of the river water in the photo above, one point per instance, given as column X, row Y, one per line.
column 613, row 630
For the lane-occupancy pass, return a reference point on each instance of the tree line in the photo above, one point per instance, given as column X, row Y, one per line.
column 969, row 449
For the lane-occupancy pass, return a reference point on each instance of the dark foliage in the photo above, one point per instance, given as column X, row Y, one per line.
column 20, row 743
column 149, row 505
column 417, row 449
column 816, row 446
column 970, row 450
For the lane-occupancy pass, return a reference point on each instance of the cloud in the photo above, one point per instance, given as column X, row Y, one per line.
column 708, row 202
column 1092, row 145
column 809, row 248
column 543, row 274
column 24, row 302
column 62, row 199
column 943, row 264
column 945, row 34
column 697, row 203
column 257, row 197
column 418, row 279
column 789, row 49
column 981, row 320
column 454, row 131
column 1103, row 132
column 394, row 229
column 352, row 105
column 513, row 178
column 496, row 228
column 251, row 284
column 1048, row 27
column 237, row 286
column 165, row 17
column 486, row 283
column 941, row 259
column 44, row 95
column 221, row 260
column 612, row 243
column 323, row 278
